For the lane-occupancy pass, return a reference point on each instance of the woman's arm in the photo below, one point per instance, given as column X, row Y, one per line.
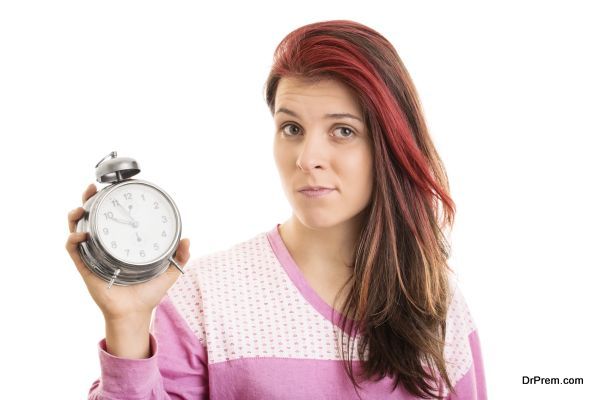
column 176, row 366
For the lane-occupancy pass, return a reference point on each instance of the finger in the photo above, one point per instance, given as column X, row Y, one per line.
column 182, row 254
column 73, row 241
column 172, row 273
column 89, row 192
column 73, row 217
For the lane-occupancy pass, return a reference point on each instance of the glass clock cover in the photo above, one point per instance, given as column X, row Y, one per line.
column 136, row 223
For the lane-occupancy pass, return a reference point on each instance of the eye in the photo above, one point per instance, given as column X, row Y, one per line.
column 345, row 131
column 293, row 131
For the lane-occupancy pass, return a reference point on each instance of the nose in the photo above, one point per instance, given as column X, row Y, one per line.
column 312, row 152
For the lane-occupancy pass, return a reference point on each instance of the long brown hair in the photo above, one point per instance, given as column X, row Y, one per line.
column 399, row 288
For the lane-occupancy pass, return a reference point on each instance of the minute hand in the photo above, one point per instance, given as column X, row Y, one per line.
column 128, row 213
column 122, row 221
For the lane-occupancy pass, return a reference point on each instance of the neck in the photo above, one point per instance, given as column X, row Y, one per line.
column 326, row 251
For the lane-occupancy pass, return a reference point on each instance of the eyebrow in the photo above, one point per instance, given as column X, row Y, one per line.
column 333, row 115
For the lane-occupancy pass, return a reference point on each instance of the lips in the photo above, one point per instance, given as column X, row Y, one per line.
column 315, row 191
column 314, row 188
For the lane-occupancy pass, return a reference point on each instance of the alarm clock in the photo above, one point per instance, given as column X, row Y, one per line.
column 133, row 226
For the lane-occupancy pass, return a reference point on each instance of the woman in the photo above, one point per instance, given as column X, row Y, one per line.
column 351, row 297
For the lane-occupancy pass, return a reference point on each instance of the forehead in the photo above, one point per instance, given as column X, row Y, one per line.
column 329, row 93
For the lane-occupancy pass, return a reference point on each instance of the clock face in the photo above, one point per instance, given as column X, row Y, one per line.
column 136, row 223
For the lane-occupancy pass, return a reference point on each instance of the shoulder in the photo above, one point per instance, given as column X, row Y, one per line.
column 459, row 316
column 461, row 333
column 253, row 249
column 212, row 276
column 207, row 267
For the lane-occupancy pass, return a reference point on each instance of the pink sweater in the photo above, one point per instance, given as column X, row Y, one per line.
column 243, row 323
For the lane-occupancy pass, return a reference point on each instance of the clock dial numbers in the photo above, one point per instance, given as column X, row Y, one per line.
column 138, row 223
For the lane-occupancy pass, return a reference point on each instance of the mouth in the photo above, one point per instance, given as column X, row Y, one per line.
column 314, row 188
column 315, row 191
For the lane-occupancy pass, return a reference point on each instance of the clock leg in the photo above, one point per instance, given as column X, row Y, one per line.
column 112, row 280
column 176, row 265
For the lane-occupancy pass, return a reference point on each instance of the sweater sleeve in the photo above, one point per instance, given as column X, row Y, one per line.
column 176, row 369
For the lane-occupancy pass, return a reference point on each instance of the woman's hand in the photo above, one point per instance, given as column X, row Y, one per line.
column 122, row 302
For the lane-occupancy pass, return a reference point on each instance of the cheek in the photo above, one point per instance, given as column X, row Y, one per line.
column 278, row 155
column 281, row 156
column 363, row 183
column 359, row 172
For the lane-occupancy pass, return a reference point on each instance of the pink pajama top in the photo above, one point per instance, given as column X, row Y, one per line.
column 243, row 323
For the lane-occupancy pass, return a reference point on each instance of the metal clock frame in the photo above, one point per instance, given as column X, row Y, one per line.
column 100, row 260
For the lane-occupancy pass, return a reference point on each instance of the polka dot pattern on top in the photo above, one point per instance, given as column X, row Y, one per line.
column 250, row 308
column 241, row 303
column 459, row 325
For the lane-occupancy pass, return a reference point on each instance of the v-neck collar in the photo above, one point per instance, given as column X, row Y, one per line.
column 295, row 274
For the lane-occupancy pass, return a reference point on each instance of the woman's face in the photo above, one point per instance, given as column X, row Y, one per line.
column 322, row 140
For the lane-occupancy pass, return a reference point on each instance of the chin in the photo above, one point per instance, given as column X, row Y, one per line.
column 318, row 221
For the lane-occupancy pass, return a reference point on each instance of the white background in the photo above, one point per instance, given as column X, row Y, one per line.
column 510, row 93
